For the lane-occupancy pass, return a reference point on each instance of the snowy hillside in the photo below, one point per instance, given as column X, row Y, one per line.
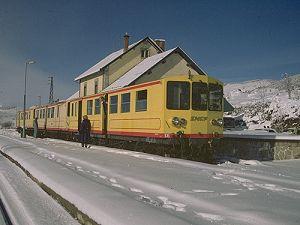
column 7, row 115
column 267, row 102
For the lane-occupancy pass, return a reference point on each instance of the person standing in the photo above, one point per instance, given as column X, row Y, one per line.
column 85, row 131
column 35, row 127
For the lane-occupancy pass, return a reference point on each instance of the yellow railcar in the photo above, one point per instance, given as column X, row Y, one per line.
column 162, row 111
column 173, row 111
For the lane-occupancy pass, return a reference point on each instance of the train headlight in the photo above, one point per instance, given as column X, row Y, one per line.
column 183, row 122
column 176, row 121
column 218, row 122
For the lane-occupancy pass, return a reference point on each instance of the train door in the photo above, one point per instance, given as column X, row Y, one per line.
column 79, row 113
column 105, row 116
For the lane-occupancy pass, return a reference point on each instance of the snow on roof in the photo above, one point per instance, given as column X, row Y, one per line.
column 108, row 59
column 75, row 95
column 147, row 64
column 138, row 70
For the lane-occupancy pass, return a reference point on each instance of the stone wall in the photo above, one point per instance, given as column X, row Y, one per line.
column 258, row 149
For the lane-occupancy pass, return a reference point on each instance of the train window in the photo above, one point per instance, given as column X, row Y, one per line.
column 72, row 109
column 215, row 97
column 141, row 101
column 125, row 102
column 113, row 106
column 97, row 106
column 44, row 113
column 52, row 112
column 199, row 96
column 48, row 113
column 89, row 107
column 75, row 108
column 178, row 95
column 57, row 114
column 68, row 109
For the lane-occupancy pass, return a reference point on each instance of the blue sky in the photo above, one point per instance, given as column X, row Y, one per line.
column 231, row 40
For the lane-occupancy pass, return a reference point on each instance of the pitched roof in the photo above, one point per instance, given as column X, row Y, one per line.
column 112, row 57
column 75, row 95
column 146, row 65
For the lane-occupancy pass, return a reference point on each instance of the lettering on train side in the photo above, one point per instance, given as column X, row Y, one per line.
column 198, row 118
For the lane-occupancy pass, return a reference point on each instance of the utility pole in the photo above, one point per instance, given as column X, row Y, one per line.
column 51, row 89
column 23, row 135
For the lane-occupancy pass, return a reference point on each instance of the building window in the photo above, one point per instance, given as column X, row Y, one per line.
column 145, row 53
column 141, row 101
column 89, row 107
column 85, row 89
column 97, row 106
column 113, row 107
column 96, row 86
column 125, row 102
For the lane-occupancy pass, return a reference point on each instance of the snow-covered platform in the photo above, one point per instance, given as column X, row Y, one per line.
column 25, row 202
column 115, row 186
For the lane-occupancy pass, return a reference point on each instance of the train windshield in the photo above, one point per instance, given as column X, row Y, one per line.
column 178, row 95
column 215, row 97
column 199, row 96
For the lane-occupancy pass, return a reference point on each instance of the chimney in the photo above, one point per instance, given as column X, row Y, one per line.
column 161, row 43
column 126, row 41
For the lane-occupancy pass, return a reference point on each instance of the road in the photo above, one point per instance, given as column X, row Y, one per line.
column 115, row 186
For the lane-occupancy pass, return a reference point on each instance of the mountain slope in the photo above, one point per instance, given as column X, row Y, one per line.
column 267, row 102
column 7, row 115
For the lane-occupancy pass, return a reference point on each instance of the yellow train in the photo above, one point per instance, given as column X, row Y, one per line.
column 140, row 94
column 174, row 111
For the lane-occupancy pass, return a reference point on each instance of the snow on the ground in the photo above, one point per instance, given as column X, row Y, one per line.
column 25, row 202
column 116, row 186
column 266, row 102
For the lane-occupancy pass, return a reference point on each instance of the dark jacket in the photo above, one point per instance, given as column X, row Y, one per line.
column 85, row 129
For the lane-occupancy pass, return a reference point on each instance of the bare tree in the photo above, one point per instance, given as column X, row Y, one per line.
column 287, row 84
